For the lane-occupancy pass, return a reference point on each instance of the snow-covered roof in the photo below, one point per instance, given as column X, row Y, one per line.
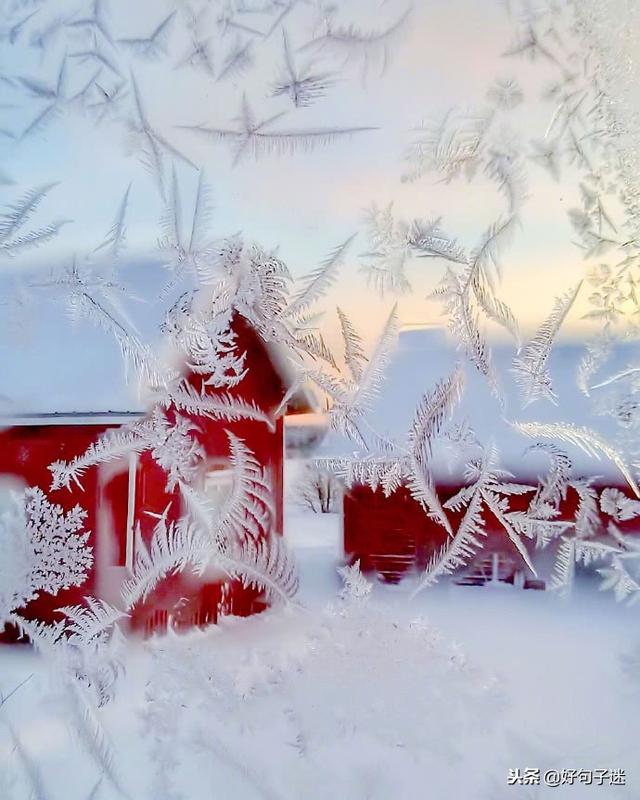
column 427, row 355
column 51, row 365
column 70, row 418
column 51, row 369
column 58, row 385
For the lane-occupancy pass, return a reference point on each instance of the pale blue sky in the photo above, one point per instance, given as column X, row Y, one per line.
column 307, row 203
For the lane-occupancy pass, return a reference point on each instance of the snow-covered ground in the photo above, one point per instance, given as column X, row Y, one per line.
column 384, row 697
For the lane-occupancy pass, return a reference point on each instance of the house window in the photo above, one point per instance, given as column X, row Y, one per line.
column 218, row 482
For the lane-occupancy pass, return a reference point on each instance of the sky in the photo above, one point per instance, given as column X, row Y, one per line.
column 446, row 55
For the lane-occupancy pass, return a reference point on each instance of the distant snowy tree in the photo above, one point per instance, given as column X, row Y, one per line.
column 318, row 490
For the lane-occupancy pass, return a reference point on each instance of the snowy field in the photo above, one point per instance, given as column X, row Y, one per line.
column 381, row 697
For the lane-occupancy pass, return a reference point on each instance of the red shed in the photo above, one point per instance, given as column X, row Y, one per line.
column 393, row 536
column 120, row 496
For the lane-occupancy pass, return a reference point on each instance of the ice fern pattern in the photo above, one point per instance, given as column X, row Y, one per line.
column 587, row 440
column 489, row 487
column 170, row 442
column 434, row 409
column 248, row 510
column 186, row 397
column 45, row 550
column 388, row 464
column 14, row 237
column 530, row 366
column 173, row 547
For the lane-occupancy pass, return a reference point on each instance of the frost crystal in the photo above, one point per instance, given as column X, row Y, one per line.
column 356, row 586
column 44, row 550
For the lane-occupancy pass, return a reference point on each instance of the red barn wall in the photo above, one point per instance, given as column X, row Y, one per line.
column 26, row 452
column 393, row 536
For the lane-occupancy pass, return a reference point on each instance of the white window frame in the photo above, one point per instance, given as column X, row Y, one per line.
column 218, row 475
column 131, row 511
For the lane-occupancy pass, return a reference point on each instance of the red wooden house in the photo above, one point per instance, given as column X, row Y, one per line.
column 392, row 536
column 121, row 496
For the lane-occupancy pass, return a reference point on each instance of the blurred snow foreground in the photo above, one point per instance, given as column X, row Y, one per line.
column 356, row 694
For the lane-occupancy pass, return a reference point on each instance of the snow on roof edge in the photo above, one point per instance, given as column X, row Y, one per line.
column 69, row 418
